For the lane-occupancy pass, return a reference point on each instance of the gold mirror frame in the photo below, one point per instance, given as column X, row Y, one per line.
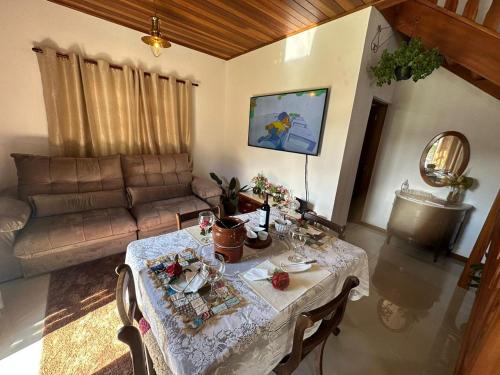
column 462, row 167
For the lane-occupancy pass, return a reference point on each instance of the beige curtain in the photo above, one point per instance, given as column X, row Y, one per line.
column 94, row 109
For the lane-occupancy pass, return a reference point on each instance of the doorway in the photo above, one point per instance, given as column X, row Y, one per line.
column 367, row 160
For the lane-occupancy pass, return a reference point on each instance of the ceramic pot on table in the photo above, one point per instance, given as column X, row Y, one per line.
column 228, row 241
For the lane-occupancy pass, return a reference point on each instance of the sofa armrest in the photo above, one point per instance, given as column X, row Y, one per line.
column 205, row 189
column 14, row 214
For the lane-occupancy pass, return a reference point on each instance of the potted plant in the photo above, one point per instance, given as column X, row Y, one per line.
column 458, row 185
column 230, row 192
column 410, row 60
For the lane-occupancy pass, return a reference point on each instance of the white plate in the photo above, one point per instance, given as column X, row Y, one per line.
column 198, row 281
column 295, row 267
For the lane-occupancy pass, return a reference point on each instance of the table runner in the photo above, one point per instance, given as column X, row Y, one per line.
column 255, row 337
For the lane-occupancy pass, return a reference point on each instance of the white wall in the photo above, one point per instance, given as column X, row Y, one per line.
column 326, row 56
column 419, row 111
column 366, row 90
column 23, row 124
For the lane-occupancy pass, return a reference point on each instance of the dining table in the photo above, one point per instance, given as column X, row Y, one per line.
column 255, row 336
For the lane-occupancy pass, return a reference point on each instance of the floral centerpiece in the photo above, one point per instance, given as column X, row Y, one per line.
column 279, row 193
column 260, row 183
column 458, row 185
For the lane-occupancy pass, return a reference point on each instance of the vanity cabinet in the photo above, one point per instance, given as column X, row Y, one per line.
column 426, row 222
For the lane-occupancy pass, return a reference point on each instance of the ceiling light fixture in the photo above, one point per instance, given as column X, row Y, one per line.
column 155, row 40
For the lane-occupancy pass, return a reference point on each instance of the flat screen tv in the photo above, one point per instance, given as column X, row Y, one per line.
column 291, row 121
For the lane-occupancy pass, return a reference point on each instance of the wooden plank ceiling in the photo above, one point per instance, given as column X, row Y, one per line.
column 222, row 28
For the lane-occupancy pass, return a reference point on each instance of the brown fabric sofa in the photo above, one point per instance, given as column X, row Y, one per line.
column 73, row 210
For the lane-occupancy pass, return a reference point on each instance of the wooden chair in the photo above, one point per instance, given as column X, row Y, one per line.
column 312, row 217
column 181, row 218
column 330, row 316
column 129, row 312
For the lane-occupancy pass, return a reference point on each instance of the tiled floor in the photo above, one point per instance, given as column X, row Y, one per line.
column 410, row 324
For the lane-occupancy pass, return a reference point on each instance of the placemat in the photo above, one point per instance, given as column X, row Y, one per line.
column 193, row 308
column 300, row 282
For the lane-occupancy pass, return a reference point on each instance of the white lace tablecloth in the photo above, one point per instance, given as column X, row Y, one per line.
column 253, row 338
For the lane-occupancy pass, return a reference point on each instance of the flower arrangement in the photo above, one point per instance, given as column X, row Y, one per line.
column 458, row 184
column 260, row 182
column 279, row 193
column 462, row 182
column 262, row 185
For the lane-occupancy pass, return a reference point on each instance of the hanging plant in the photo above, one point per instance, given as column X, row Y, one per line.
column 410, row 60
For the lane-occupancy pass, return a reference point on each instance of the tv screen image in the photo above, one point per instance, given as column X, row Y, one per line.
column 289, row 121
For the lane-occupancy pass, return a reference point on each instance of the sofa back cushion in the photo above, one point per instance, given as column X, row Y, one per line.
column 59, row 204
column 146, row 194
column 156, row 170
column 63, row 175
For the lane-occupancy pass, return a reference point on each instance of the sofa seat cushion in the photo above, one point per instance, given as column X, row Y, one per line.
column 158, row 214
column 62, row 232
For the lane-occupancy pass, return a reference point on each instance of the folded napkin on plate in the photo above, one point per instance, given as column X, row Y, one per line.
column 261, row 272
column 299, row 282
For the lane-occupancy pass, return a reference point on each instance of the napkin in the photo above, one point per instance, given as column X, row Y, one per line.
column 260, row 272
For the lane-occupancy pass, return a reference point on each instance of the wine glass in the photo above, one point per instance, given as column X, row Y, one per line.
column 206, row 220
column 213, row 267
column 298, row 239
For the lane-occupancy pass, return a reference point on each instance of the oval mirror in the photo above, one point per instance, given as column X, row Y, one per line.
column 445, row 155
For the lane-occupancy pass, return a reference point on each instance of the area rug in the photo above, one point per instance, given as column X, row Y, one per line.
column 81, row 322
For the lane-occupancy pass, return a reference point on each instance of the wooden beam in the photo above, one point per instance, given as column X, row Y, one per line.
column 464, row 73
column 469, row 44
column 385, row 4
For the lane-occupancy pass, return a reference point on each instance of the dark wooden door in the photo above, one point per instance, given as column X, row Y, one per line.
column 367, row 159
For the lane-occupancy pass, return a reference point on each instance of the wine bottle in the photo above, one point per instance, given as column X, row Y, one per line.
column 264, row 212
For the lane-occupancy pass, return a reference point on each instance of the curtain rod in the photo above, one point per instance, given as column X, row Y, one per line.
column 112, row 66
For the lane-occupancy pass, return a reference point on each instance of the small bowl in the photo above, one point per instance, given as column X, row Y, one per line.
column 257, row 229
column 251, row 235
column 262, row 235
column 282, row 226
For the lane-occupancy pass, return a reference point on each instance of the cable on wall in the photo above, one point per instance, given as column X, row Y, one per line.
column 306, row 182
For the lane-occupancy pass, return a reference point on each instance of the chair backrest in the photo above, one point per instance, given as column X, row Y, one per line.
column 181, row 218
column 126, row 300
column 312, row 217
column 330, row 316
column 131, row 336
column 128, row 310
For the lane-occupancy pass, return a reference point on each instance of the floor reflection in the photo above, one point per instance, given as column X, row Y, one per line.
column 413, row 319
column 405, row 298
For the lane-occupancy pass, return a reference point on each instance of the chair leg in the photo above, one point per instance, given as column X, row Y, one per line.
column 318, row 362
